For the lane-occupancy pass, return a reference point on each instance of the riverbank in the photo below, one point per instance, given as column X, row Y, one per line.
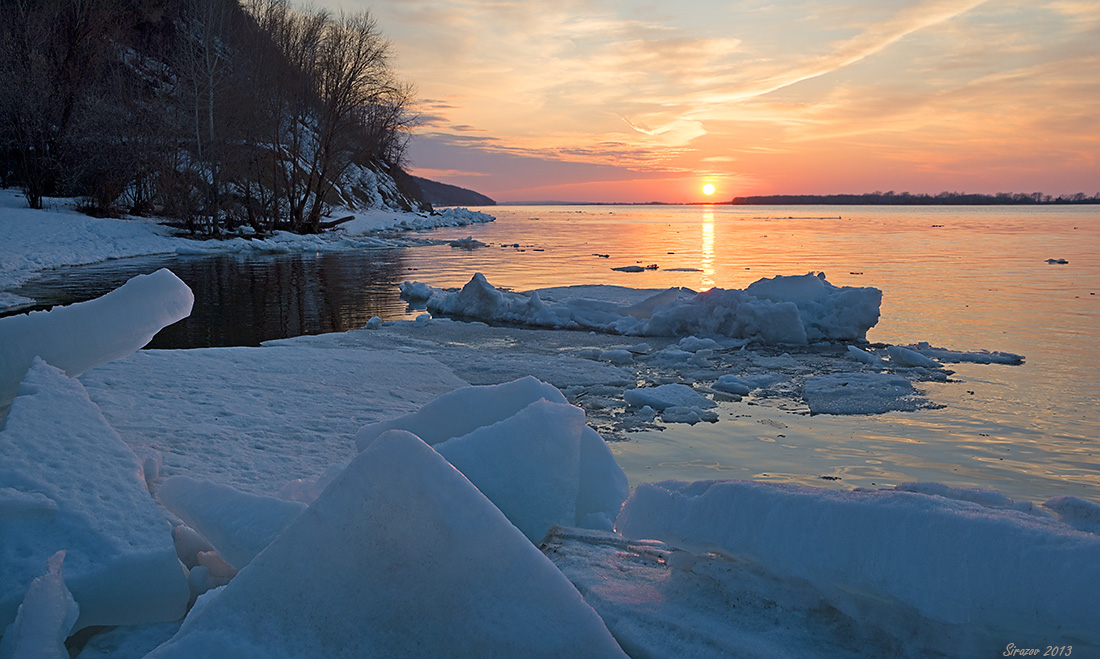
column 33, row 241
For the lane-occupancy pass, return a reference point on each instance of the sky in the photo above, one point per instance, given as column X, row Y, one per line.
column 635, row 101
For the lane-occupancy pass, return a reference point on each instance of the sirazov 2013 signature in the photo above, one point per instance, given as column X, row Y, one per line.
column 1051, row 651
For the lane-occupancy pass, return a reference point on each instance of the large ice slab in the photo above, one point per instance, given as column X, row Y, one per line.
column 528, row 465
column 796, row 310
column 527, row 449
column 67, row 482
column 400, row 556
column 81, row 336
column 985, row 573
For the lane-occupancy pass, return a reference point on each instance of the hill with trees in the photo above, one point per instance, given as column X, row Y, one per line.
column 445, row 194
column 218, row 113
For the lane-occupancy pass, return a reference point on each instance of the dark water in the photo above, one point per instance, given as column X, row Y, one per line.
column 243, row 300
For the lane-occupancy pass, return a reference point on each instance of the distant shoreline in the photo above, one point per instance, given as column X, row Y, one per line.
column 869, row 199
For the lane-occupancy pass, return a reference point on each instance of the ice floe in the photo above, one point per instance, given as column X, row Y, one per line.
column 979, row 574
column 794, row 310
column 81, row 336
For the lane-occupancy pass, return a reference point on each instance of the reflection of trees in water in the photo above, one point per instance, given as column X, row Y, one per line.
column 242, row 301
column 246, row 301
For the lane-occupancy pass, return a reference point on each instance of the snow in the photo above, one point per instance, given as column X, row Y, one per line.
column 120, row 563
column 980, row 574
column 386, row 565
column 81, row 336
column 794, row 310
column 45, row 618
column 238, row 524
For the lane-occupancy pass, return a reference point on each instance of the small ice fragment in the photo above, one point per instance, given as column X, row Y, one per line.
column 45, row 617
column 374, row 323
column 906, row 357
column 731, row 384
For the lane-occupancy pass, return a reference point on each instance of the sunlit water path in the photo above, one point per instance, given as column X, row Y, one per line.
column 965, row 278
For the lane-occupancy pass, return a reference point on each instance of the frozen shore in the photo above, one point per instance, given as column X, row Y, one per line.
column 269, row 463
column 442, row 487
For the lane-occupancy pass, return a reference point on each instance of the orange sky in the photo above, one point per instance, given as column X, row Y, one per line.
column 598, row 100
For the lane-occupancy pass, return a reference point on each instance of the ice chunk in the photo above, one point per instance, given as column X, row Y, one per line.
column 238, row 524
column 82, row 336
column 464, row 410
column 827, row 312
column 400, row 556
column 665, row 396
column 45, row 618
column 906, row 357
column 860, row 393
column 690, row 414
column 603, row 484
column 974, row 357
column 617, row 356
column 731, row 384
column 414, row 290
column 695, row 344
column 528, row 465
column 1077, row 512
column 862, row 355
column 874, row 554
column 120, row 564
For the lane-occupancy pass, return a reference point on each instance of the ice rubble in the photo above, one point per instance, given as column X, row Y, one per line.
column 860, row 393
column 67, row 482
column 81, row 336
column 386, row 565
column 780, row 310
column 980, row 574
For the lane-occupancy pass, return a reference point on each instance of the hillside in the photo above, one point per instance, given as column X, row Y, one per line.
column 444, row 194
column 215, row 113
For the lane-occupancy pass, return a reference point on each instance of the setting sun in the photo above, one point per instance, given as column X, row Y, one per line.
column 708, row 189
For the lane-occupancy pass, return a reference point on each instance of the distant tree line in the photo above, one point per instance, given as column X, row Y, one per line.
column 220, row 113
column 908, row 199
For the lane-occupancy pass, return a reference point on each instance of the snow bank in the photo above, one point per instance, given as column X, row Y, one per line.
column 400, row 556
column 986, row 574
column 81, row 336
column 526, row 449
column 67, row 482
column 793, row 310
column 238, row 524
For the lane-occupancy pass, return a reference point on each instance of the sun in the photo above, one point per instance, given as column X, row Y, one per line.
column 708, row 189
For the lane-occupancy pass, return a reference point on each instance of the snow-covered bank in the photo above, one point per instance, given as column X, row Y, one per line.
column 32, row 241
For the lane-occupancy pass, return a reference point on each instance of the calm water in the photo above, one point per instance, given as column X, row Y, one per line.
column 965, row 278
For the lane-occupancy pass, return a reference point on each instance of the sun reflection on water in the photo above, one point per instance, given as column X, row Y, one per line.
column 707, row 260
